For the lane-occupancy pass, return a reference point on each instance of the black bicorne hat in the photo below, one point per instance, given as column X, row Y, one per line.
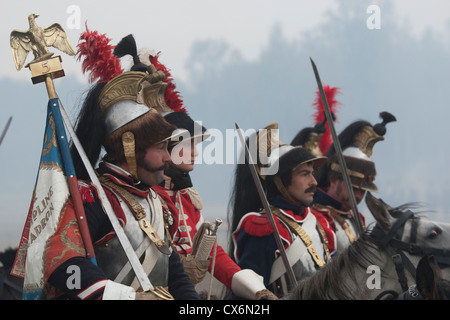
column 192, row 129
column 172, row 108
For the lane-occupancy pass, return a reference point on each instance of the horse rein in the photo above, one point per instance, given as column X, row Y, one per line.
column 392, row 242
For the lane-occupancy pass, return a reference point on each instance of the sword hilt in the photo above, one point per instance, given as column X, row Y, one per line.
column 216, row 226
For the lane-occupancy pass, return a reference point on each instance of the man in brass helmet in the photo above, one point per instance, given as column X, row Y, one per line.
column 287, row 177
column 331, row 198
column 190, row 232
column 118, row 114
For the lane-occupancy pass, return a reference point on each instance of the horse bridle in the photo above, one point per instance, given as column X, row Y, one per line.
column 392, row 242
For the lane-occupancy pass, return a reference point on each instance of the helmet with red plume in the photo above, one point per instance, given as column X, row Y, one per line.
column 115, row 102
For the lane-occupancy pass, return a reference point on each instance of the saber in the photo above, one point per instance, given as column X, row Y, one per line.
column 214, row 233
column 340, row 156
column 266, row 206
column 5, row 129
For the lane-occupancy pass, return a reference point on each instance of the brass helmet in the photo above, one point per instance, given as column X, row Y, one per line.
column 357, row 141
column 277, row 159
column 118, row 99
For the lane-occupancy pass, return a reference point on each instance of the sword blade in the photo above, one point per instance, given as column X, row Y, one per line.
column 5, row 129
column 267, row 209
column 340, row 156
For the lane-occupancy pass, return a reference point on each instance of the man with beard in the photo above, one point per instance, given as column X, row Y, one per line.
column 118, row 114
column 290, row 184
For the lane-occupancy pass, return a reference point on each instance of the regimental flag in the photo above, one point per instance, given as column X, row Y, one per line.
column 51, row 234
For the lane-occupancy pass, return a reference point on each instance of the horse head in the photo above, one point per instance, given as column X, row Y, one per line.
column 384, row 259
column 423, row 236
column 407, row 237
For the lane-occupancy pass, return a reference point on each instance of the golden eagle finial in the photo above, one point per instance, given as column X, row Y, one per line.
column 38, row 39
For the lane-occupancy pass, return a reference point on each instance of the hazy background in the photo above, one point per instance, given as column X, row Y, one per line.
column 248, row 62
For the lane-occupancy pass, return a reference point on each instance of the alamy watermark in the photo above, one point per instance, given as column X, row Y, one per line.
column 74, row 19
column 226, row 148
column 373, row 22
column 73, row 282
column 374, row 280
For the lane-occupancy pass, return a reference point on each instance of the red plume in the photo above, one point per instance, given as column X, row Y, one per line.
column 98, row 57
column 319, row 116
column 172, row 97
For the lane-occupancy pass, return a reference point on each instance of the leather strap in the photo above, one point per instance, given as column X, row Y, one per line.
column 344, row 224
column 304, row 236
column 139, row 213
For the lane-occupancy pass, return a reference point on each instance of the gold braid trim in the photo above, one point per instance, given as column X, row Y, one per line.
column 297, row 229
column 138, row 211
column 344, row 224
column 324, row 238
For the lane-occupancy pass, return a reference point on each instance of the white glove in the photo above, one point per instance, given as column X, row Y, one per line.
column 246, row 284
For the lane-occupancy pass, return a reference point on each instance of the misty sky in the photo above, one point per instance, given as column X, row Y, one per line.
column 249, row 63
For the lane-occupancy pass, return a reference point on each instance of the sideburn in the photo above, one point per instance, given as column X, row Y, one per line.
column 144, row 165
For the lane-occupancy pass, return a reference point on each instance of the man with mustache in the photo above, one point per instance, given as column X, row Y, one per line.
column 186, row 206
column 331, row 197
column 288, row 178
column 118, row 115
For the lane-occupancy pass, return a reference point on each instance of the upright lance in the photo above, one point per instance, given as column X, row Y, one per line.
column 339, row 154
column 267, row 209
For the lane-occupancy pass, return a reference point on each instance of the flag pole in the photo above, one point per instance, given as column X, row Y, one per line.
column 41, row 72
column 45, row 68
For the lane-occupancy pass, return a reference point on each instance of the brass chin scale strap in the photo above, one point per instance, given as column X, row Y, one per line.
column 130, row 153
column 280, row 186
